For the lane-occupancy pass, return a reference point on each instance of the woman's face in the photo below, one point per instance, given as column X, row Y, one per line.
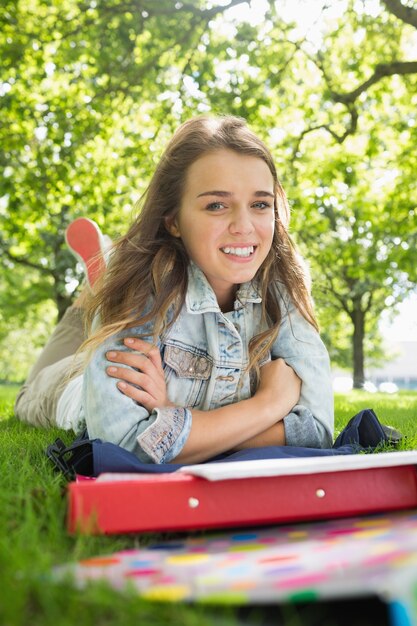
column 226, row 219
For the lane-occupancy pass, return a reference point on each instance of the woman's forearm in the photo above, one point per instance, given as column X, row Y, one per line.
column 232, row 426
column 272, row 436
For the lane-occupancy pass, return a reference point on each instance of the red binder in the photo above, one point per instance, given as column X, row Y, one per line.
column 246, row 493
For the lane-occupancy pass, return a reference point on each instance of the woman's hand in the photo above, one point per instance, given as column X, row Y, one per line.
column 147, row 374
column 279, row 386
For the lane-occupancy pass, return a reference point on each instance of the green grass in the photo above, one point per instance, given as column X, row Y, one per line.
column 398, row 410
column 33, row 535
column 33, row 539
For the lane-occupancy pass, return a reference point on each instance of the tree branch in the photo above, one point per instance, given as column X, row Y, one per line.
column 408, row 15
column 369, row 304
column 350, row 130
column 155, row 10
column 381, row 71
column 152, row 8
column 329, row 287
column 22, row 260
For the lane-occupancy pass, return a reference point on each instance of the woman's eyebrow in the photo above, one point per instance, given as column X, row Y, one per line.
column 226, row 194
column 258, row 194
column 223, row 194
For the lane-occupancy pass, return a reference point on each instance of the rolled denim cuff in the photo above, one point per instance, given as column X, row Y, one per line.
column 302, row 429
column 164, row 439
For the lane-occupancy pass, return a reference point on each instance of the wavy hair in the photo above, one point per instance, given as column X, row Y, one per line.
column 147, row 275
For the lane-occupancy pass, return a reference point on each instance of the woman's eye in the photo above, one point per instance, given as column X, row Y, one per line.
column 215, row 206
column 262, row 205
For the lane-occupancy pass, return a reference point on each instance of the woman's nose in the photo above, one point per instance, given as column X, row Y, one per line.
column 241, row 222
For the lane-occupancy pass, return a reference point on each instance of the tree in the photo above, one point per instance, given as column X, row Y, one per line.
column 80, row 82
column 91, row 91
column 351, row 182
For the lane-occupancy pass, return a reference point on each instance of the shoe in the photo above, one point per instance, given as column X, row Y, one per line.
column 89, row 247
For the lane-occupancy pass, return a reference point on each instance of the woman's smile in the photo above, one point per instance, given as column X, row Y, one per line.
column 242, row 251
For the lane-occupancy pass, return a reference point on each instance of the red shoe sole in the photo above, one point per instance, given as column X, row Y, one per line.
column 83, row 238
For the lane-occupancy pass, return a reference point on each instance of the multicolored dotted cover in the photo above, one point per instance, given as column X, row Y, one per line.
column 342, row 558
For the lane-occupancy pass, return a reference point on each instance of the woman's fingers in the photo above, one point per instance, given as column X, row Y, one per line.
column 143, row 379
column 142, row 354
column 279, row 381
column 131, row 376
column 141, row 387
column 133, row 359
column 149, row 363
column 138, row 370
column 136, row 377
column 141, row 396
column 277, row 370
column 149, row 350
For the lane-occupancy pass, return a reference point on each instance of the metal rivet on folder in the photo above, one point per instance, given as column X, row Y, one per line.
column 193, row 503
column 320, row 493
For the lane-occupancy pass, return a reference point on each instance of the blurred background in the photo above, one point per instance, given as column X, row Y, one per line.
column 90, row 92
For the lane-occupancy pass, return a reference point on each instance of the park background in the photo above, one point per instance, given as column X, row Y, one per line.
column 90, row 92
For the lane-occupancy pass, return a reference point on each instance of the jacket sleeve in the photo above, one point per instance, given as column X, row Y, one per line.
column 311, row 422
column 155, row 437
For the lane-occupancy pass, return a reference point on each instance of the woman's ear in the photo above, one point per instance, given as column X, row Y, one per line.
column 172, row 226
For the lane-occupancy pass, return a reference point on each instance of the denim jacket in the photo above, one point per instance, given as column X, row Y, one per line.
column 205, row 355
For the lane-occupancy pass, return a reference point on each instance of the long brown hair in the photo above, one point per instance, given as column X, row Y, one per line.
column 147, row 277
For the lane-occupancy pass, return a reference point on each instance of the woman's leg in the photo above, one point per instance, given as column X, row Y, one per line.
column 37, row 399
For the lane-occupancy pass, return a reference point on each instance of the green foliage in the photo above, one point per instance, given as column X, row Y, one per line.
column 21, row 343
column 91, row 91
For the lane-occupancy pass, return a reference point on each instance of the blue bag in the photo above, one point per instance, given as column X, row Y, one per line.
column 91, row 457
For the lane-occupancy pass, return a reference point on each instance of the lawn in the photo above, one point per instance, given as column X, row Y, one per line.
column 33, row 537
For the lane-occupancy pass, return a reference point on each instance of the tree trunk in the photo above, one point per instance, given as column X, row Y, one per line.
column 62, row 303
column 358, row 336
column 62, row 299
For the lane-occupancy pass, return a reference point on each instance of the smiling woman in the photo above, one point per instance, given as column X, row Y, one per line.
column 204, row 340
column 226, row 219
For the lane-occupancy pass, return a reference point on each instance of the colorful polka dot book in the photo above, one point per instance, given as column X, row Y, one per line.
column 302, row 530
column 343, row 558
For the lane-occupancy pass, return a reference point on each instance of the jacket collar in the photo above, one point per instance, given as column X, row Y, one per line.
column 200, row 297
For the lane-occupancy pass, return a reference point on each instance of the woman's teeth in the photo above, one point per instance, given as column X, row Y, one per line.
column 238, row 251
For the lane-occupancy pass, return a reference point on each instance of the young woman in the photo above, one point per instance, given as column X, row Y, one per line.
column 204, row 339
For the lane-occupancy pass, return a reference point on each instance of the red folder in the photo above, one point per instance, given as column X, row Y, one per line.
column 245, row 493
